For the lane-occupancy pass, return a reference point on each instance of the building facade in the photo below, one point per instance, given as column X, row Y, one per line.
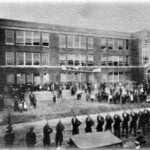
column 38, row 53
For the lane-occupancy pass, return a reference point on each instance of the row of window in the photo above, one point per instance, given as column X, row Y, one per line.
column 27, row 38
column 115, row 60
column 75, row 59
column 115, row 77
column 28, row 59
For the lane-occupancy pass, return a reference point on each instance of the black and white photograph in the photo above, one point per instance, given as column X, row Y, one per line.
column 74, row 74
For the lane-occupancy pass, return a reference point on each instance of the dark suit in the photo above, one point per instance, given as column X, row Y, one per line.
column 100, row 123
column 75, row 124
column 133, row 123
column 89, row 123
column 109, row 122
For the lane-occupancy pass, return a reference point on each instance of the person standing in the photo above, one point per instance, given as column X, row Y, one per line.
column 125, row 127
column 59, row 133
column 89, row 123
column 100, row 123
column 31, row 138
column 133, row 122
column 109, row 122
column 75, row 124
column 47, row 130
column 117, row 122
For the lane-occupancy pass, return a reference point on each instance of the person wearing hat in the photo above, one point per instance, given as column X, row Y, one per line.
column 31, row 138
column 117, row 122
column 47, row 130
column 59, row 133
column 146, row 118
column 139, row 140
column 89, row 123
column 75, row 125
column 109, row 122
column 141, row 122
column 126, row 118
column 100, row 123
column 133, row 122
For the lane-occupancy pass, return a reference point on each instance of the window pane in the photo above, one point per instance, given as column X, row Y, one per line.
column 20, row 58
column 9, row 58
column 9, row 36
column 45, row 39
column 45, row 59
column 10, row 79
column 76, row 41
column 90, row 43
column 28, row 58
column 20, row 78
column 36, row 58
column 120, row 44
column 62, row 41
column 70, row 41
column 28, row 38
column 20, row 37
column 83, row 42
column 36, row 38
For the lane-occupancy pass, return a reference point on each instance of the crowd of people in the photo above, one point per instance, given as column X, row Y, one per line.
column 121, row 126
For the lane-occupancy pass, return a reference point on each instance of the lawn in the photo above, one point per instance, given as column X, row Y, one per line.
column 64, row 107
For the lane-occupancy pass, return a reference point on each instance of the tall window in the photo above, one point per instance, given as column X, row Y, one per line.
column 28, row 59
column 110, row 43
column 45, row 39
column 127, row 44
column 62, row 59
column 20, row 37
column 103, row 43
column 62, row 41
column 76, row 41
column 145, row 43
column 9, row 58
column 36, row 38
column 90, row 60
column 36, row 58
column 45, row 58
column 20, row 58
column 120, row 44
column 90, row 43
column 28, row 38
column 9, row 36
column 83, row 59
column 70, row 40
column 103, row 60
column 83, row 42
column 10, row 79
column 126, row 60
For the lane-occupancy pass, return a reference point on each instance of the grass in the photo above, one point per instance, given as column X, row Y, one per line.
column 64, row 107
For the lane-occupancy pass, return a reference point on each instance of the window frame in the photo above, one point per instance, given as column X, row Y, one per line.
column 6, row 59
column 7, row 43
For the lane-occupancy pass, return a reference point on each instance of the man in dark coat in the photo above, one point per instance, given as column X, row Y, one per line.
column 126, row 118
column 133, row 122
column 32, row 98
column 75, row 124
column 9, row 137
column 117, row 122
column 89, row 123
column 147, row 119
column 141, row 122
column 109, row 122
column 31, row 138
column 100, row 123
column 47, row 130
column 59, row 133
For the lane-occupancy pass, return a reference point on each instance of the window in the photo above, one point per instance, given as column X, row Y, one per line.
column 20, row 37
column 9, row 36
column 9, row 58
column 126, row 61
column 110, row 44
column 45, row 59
column 145, row 59
column 120, row 44
column 120, row 60
column 145, row 44
column 110, row 60
column 28, row 59
column 28, row 38
column 76, row 41
column 77, row 59
column 20, row 58
column 10, row 79
column 36, row 58
column 103, row 43
column 103, row 60
column 62, row 41
column 36, row 38
column 83, row 42
column 127, row 44
column 83, row 60
column 29, row 78
column 62, row 59
column 45, row 39
column 90, row 60
column 90, row 43
column 70, row 59
column 20, row 78
column 116, row 60
column 70, row 40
